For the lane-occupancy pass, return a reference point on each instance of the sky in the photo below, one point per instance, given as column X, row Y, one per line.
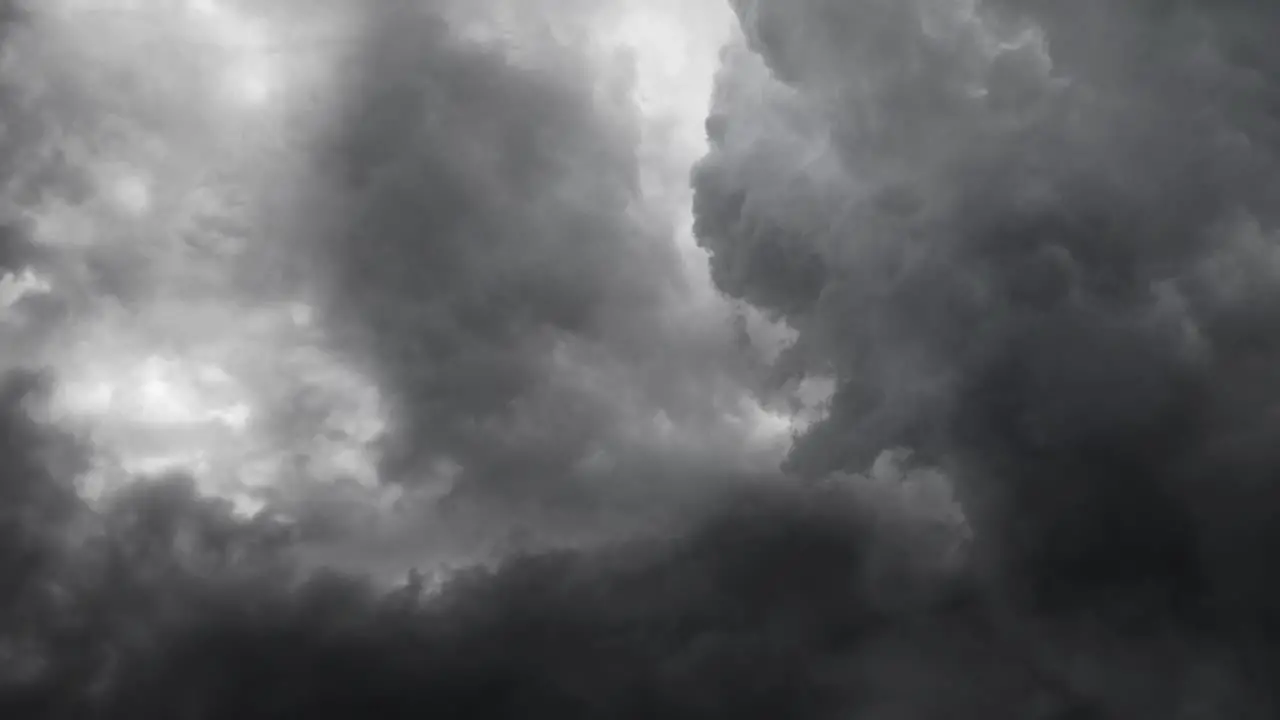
column 637, row 358
column 265, row 330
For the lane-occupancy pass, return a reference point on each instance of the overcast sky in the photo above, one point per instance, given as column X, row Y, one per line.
column 456, row 235
column 750, row 358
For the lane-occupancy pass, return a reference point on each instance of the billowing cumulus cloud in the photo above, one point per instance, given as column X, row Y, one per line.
column 429, row 246
column 511, row 279
column 163, row 602
column 398, row 277
column 1029, row 243
column 346, row 288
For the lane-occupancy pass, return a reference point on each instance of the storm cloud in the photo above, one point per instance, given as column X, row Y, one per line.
column 1030, row 248
column 1033, row 245
column 513, row 283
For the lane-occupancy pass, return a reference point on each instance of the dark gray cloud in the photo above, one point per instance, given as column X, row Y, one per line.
column 775, row 602
column 691, row 628
column 520, row 297
column 1034, row 244
column 1031, row 246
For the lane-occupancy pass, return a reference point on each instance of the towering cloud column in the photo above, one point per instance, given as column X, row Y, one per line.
column 1034, row 245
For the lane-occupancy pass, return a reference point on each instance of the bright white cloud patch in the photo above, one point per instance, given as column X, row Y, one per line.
column 14, row 287
column 661, row 49
column 248, row 75
column 164, row 364
column 674, row 48
column 250, row 83
column 254, row 404
column 130, row 192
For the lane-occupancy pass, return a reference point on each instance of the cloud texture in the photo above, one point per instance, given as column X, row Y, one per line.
column 1029, row 245
column 1030, row 248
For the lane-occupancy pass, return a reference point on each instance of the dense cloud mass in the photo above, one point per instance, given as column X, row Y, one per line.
column 445, row 320
column 510, row 282
column 1032, row 243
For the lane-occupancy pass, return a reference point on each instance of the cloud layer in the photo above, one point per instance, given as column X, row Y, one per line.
column 1030, row 249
